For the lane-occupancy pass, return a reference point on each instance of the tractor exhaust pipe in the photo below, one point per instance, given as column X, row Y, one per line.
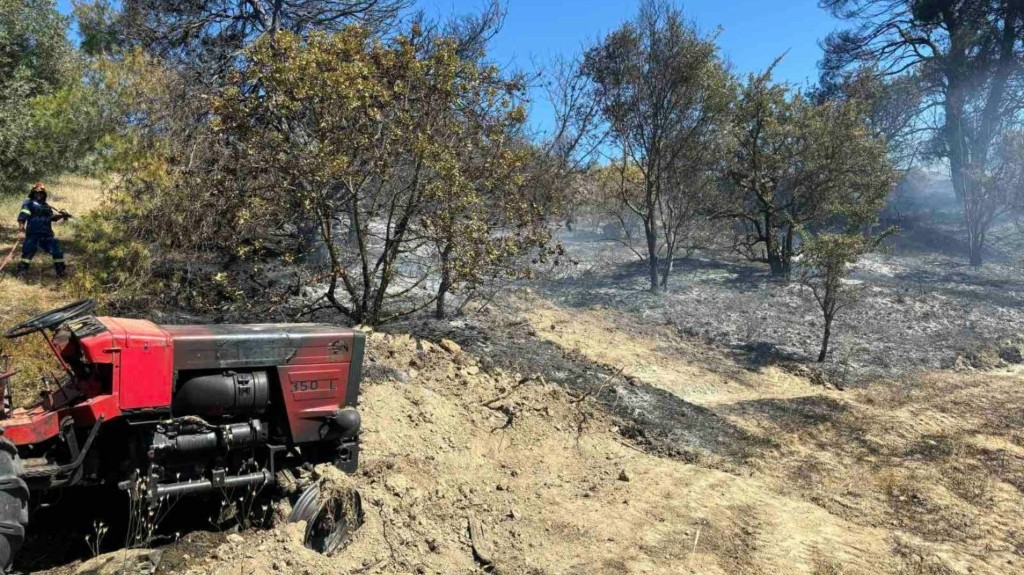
column 219, row 481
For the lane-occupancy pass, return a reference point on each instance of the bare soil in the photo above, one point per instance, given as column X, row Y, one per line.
column 922, row 477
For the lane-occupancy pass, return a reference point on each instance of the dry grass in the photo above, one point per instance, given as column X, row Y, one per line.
column 550, row 498
column 934, row 460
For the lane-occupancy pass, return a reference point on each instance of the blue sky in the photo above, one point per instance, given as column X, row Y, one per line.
column 754, row 32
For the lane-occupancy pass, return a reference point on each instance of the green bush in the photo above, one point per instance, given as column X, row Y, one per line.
column 110, row 265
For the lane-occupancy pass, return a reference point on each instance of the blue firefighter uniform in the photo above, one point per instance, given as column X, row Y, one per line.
column 37, row 216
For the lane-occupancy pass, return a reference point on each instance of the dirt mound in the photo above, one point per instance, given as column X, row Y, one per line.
column 467, row 469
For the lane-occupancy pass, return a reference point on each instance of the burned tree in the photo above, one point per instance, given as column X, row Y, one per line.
column 664, row 94
column 968, row 56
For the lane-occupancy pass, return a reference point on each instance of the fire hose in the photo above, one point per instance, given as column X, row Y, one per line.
column 10, row 256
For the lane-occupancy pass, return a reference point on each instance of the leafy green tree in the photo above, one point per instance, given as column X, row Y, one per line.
column 99, row 26
column 36, row 62
column 401, row 144
column 797, row 165
column 825, row 269
column 35, row 55
column 664, row 96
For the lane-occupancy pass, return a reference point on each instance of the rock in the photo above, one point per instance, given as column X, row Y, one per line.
column 1011, row 354
column 413, row 373
column 235, row 538
column 450, row 346
column 483, row 546
column 424, row 345
column 296, row 532
column 123, row 562
column 472, row 370
column 623, row 476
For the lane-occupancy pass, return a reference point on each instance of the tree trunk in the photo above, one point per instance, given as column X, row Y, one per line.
column 776, row 254
column 446, row 283
column 442, row 292
column 667, row 272
column 652, row 254
column 977, row 245
column 778, row 265
column 352, row 238
column 824, row 339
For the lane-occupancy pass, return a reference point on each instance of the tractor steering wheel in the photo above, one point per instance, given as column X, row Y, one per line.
column 51, row 318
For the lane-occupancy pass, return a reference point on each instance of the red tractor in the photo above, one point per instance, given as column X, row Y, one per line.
column 168, row 411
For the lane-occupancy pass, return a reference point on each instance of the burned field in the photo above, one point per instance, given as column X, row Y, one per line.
column 920, row 306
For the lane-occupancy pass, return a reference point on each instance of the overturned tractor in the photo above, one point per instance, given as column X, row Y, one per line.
column 171, row 411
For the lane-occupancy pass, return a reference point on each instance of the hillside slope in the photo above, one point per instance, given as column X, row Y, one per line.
column 924, row 475
column 20, row 300
column 553, row 483
column 854, row 485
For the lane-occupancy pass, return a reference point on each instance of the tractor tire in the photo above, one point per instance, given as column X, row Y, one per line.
column 13, row 504
column 331, row 517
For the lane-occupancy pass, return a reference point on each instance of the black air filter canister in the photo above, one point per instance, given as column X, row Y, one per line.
column 221, row 394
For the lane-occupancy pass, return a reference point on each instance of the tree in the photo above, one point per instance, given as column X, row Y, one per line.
column 796, row 165
column 968, row 57
column 36, row 61
column 664, row 93
column 208, row 37
column 573, row 141
column 406, row 145
column 1000, row 191
column 892, row 106
column 824, row 269
column 99, row 26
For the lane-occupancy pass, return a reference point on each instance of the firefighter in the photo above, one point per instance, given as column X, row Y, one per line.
column 35, row 220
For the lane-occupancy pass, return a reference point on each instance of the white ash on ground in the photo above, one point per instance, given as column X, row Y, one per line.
column 919, row 310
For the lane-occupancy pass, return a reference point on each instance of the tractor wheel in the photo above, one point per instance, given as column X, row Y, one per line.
column 13, row 504
column 331, row 517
